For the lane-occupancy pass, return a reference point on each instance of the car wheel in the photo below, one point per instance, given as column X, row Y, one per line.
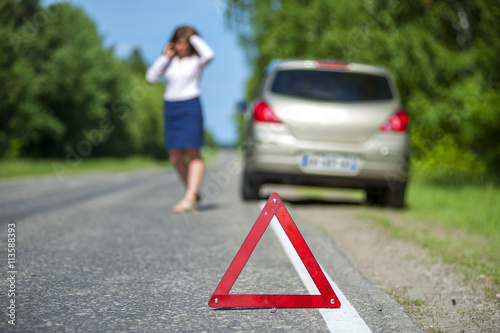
column 250, row 188
column 392, row 197
column 395, row 196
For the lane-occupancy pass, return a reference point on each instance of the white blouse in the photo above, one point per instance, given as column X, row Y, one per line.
column 182, row 75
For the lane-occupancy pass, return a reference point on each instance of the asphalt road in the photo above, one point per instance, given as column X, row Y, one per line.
column 104, row 253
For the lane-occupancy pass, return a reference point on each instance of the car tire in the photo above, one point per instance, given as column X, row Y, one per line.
column 395, row 196
column 391, row 197
column 250, row 188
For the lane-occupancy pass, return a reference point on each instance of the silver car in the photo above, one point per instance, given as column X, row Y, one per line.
column 323, row 123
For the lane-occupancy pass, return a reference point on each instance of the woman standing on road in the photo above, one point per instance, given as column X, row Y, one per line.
column 182, row 62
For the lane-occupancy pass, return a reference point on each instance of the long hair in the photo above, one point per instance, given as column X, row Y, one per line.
column 185, row 32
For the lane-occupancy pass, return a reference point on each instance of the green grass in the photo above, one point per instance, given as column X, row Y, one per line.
column 26, row 168
column 457, row 222
column 474, row 208
column 316, row 193
column 467, row 217
column 15, row 169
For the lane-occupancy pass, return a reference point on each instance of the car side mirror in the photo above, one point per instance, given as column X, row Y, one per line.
column 241, row 106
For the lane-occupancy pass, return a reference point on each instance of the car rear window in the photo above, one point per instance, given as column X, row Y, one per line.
column 332, row 86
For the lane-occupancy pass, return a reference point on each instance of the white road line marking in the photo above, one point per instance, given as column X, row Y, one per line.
column 343, row 319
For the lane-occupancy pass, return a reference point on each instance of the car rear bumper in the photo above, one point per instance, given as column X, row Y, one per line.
column 322, row 180
column 376, row 163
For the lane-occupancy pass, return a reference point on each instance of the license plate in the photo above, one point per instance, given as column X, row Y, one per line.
column 330, row 161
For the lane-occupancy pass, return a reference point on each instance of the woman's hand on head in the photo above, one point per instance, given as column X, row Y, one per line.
column 169, row 50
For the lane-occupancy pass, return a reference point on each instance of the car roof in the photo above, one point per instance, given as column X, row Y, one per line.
column 279, row 64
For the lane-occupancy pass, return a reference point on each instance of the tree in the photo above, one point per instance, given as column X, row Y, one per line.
column 20, row 120
column 57, row 80
column 136, row 62
column 62, row 94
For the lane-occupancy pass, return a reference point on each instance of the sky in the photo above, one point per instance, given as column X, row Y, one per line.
column 148, row 24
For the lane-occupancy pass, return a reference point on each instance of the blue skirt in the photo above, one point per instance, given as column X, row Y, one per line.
column 183, row 124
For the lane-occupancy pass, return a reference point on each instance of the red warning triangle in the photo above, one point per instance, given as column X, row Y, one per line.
column 221, row 297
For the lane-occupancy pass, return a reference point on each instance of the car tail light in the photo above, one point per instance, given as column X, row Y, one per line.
column 397, row 123
column 263, row 113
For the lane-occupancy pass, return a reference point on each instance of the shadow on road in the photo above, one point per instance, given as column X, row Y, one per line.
column 324, row 202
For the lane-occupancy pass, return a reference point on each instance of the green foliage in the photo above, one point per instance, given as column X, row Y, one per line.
column 443, row 54
column 136, row 62
column 56, row 81
column 25, row 168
